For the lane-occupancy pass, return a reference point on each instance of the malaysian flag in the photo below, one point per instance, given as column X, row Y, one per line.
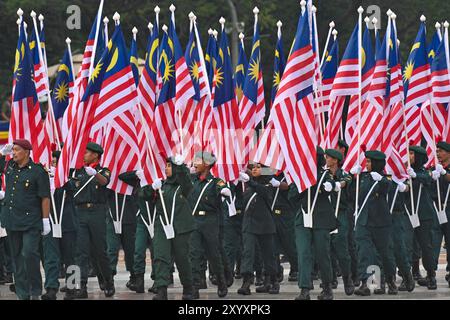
column 40, row 73
column 417, row 85
column 226, row 122
column 252, row 109
column 210, row 56
column 62, row 90
column 26, row 119
column 241, row 71
column 293, row 110
column 200, row 115
column 134, row 58
column 279, row 63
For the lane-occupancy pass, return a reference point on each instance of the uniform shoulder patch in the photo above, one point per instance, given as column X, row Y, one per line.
column 106, row 172
column 221, row 183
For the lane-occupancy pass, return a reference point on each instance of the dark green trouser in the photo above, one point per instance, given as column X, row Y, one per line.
column 409, row 238
column 399, row 239
column 51, row 259
column 6, row 263
column 352, row 246
column 442, row 232
column 205, row 241
column 232, row 239
column 379, row 238
column 166, row 251
column 92, row 234
column 126, row 240
column 340, row 244
column 285, row 241
column 425, row 236
column 25, row 254
column 142, row 243
column 266, row 243
column 319, row 242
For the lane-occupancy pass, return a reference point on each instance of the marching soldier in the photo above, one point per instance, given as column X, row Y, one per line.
column 314, row 236
column 284, row 219
column 25, row 215
column 374, row 223
column 206, row 200
column 258, row 228
column 339, row 241
column 442, row 171
column 422, row 188
column 123, row 209
column 90, row 199
column 173, row 228
column 57, row 251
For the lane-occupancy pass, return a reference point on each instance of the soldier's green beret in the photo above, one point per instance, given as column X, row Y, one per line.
column 444, row 146
column 208, row 158
column 375, row 155
column 320, row 151
column 418, row 150
column 56, row 154
column 95, row 148
column 342, row 144
column 334, row 154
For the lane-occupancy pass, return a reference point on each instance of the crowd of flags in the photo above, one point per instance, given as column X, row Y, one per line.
column 185, row 101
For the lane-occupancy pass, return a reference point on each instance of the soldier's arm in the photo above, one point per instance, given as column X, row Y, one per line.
column 384, row 186
column 147, row 193
column 184, row 180
column 103, row 177
column 129, row 178
column 44, row 192
column 424, row 177
column 284, row 186
column 328, row 178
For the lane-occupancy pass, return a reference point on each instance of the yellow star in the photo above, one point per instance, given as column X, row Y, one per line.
column 254, row 70
column 218, row 77
column 239, row 93
column 195, row 71
column 432, row 54
column 276, row 79
column 97, row 70
column 408, row 70
column 62, row 92
column 168, row 67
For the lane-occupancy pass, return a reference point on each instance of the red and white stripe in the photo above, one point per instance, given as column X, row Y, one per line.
column 41, row 79
column 346, row 82
column 334, row 125
column 433, row 125
column 268, row 151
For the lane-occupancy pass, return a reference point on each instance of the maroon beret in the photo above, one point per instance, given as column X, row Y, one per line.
column 25, row 144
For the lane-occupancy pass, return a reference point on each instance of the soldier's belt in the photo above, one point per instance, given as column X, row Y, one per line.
column 277, row 212
column 202, row 213
column 87, row 205
column 238, row 211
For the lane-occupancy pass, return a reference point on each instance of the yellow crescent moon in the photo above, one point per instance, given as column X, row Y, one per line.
column 63, row 67
column 23, row 50
column 171, row 44
column 152, row 52
column 114, row 60
column 16, row 65
column 363, row 58
column 192, row 48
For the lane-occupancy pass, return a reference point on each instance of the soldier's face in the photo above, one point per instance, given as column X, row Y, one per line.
column 256, row 170
column 342, row 150
column 443, row 156
column 20, row 154
column 168, row 169
column 90, row 157
column 412, row 157
column 369, row 165
column 199, row 166
column 331, row 162
column 54, row 162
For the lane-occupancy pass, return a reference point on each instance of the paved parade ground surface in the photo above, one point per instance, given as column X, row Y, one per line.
column 288, row 291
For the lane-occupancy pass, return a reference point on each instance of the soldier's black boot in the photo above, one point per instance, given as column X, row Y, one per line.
column 431, row 277
column 229, row 277
column 222, row 288
column 265, row 287
column 245, row 288
column 280, row 274
column 274, row 285
column 392, row 287
column 408, row 283
column 363, row 290
column 131, row 282
column 77, row 294
column 382, row 289
column 293, row 276
column 334, row 283
column 101, row 281
column 304, row 295
column 259, row 280
column 327, row 292
column 50, row 294
column 416, row 273
column 356, row 281
column 188, row 293
column 349, row 287
column 110, row 290
column 161, row 294
column 213, row 279
column 138, row 284
column 153, row 289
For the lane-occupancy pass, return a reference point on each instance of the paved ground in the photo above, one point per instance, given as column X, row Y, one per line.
column 289, row 290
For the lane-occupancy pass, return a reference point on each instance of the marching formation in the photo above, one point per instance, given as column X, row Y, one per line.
column 169, row 159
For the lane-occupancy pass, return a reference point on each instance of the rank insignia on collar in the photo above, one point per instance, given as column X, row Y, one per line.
column 221, row 183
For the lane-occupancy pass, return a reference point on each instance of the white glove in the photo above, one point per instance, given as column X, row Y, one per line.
column 2, row 195
column 338, row 187
column 243, row 177
column 90, row 171
column 401, row 187
column 328, row 186
column 275, row 183
column 435, row 175
column 411, row 172
column 226, row 192
column 356, row 170
column 7, row 149
column 376, row 176
column 441, row 170
column 178, row 159
column 46, row 226
column 140, row 175
column 157, row 185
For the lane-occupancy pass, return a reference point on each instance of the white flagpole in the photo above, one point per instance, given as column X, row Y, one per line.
column 105, row 28
column 69, row 49
column 330, row 32
column 94, row 51
column 360, row 12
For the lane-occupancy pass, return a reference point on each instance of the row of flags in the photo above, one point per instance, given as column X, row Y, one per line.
column 194, row 100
